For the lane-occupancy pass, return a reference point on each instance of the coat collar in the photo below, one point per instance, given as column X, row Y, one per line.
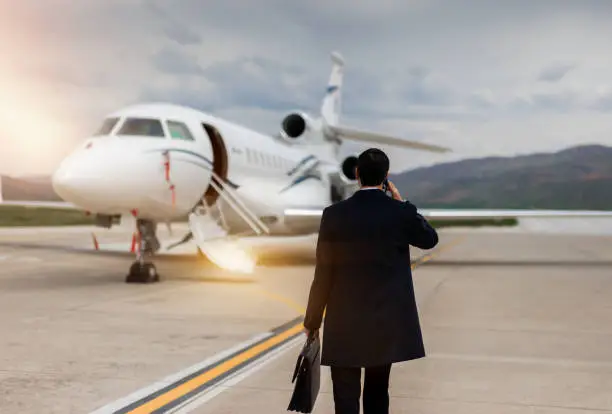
column 371, row 193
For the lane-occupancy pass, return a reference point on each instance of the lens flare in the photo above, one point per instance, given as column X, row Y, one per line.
column 229, row 255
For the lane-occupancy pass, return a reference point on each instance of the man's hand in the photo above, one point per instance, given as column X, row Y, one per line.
column 308, row 332
column 394, row 191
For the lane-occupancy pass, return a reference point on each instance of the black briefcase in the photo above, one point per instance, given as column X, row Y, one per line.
column 307, row 376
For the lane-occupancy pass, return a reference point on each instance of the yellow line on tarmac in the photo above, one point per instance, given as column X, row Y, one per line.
column 184, row 388
column 283, row 299
column 427, row 257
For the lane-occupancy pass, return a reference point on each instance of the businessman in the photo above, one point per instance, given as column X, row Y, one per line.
column 363, row 278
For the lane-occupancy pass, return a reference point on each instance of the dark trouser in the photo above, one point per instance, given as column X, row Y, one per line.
column 347, row 389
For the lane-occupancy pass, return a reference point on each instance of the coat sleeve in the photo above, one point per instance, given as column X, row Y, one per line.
column 419, row 232
column 322, row 282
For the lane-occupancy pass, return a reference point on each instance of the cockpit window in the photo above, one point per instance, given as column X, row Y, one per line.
column 107, row 126
column 142, row 127
column 178, row 130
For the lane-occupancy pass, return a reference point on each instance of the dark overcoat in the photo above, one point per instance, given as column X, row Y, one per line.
column 363, row 278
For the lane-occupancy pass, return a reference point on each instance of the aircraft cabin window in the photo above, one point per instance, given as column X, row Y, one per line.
column 142, row 127
column 178, row 130
column 107, row 126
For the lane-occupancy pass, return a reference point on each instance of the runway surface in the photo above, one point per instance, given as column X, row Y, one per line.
column 514, row 322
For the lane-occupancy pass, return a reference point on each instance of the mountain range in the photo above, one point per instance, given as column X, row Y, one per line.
column 575, row 178
column 32, row 188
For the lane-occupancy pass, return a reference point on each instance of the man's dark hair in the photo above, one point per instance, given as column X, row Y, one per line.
column 373, row 166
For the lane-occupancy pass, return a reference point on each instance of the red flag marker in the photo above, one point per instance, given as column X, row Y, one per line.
column 95, row 241
column 173, row 195
column 167, row 165
column 133, row 248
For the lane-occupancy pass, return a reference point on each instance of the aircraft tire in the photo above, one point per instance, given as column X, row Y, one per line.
column 142, row 273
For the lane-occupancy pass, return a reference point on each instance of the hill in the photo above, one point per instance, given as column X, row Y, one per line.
column 35, row 188
column 575, row 178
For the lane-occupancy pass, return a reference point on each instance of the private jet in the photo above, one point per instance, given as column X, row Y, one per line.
column 158, row 162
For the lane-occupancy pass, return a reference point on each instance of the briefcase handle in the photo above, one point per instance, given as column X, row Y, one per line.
column 312, row 335
column 297, row 368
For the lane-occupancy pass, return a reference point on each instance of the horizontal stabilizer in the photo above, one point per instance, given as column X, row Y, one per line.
column 374, row 137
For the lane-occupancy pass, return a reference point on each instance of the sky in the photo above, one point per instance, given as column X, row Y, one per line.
column 483, row 78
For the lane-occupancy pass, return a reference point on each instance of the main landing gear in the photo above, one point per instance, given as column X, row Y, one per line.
column 143, row 270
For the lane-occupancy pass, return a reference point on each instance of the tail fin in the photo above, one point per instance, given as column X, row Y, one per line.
column 330, row 112
column 331, row 106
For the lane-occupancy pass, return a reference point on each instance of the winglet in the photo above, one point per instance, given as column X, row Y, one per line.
column 337, row 58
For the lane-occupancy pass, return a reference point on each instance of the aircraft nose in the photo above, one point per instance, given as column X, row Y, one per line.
column 107, row 177
column 77, row 182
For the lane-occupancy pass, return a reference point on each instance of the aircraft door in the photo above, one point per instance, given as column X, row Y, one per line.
column 220, row 159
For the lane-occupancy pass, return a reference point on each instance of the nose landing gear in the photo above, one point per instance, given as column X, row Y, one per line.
column 143, row 270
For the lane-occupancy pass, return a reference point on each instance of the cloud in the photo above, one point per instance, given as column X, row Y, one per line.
column 555, row 73
column 247, row 82
column 173, row 27
column 482, row 77
column 174, row 62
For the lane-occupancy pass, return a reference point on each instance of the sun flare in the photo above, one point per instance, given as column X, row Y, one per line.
column 229, row 255
column 33, row 139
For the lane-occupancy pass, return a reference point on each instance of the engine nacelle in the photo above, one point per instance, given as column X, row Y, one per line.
column 295, row 126
column 348, row 168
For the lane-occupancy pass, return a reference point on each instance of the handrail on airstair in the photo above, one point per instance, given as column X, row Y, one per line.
column 252, row 223
column 238, row 205
column 214, row 212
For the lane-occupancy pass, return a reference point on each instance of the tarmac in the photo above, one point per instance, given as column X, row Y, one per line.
column 514, row 322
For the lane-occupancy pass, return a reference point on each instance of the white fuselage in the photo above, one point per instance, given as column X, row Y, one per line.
column 159, row 161
column 124, row 168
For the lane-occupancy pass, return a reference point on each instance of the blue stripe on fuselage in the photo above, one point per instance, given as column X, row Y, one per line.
column 299, row 180
column 198, row 156
column 299, row 164
column 183, row 151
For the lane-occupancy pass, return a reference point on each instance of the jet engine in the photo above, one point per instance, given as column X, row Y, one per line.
column 295, row 126
column 348, row 168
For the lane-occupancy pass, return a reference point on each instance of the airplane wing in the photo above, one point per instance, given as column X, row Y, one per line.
column 469, row 214
column 31, row 203
column 40, row 204
column 374, row 137
column 466, row 214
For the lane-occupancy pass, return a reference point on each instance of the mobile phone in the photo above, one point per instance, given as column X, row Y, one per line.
column 385, row 187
